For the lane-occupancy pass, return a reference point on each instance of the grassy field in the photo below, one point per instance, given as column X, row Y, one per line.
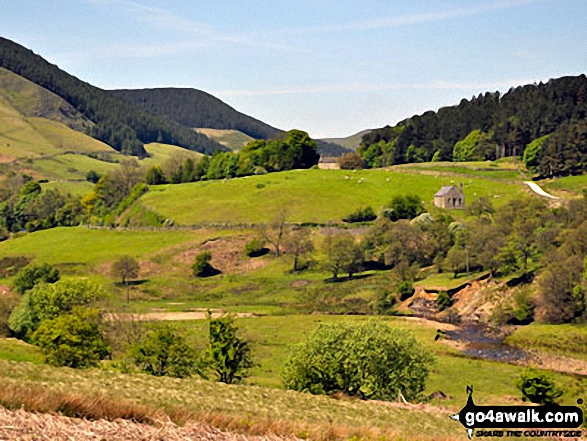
column 233, row 139
column 507, row 169
column 308, row 195
column 567, row 340
column 76, row 188
column 246, row 408
column 78, row 245
column 159, row 153
column 570, row 185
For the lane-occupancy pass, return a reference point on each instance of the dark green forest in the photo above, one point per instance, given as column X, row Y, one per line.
column 121, row 125
column 197, row 109
column 492, row 126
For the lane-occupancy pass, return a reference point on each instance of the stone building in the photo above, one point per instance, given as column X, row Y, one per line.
column 450, row 196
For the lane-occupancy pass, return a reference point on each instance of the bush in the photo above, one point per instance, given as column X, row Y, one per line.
column 351, row 161
column 404, row 207
column 74, row 340
column 45, row 302
column 443, row 301
column 405, row 290
column 384, row 303
column 32, row 275
column 369, row 360
column 537, row 387
column 228, row 355
column 202, row 267
column 361, row 215
column 255, row 248
column 165, row 352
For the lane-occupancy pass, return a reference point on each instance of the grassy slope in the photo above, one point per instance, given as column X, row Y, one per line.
column 251, row 405
column 308, row 195
column 161, row 152
column 567, row 340
column 350, row 142
column 18, row 137
column 233, row 139
column 567, row 186
column 79, row 245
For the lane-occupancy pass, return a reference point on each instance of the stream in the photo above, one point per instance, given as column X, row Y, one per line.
column 480, row 344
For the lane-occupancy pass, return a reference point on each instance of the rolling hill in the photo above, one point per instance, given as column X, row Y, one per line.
column 198, row 109
column 118, row 123
column 352, row 142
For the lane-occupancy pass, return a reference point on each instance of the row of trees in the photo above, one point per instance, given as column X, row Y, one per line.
column 491, row 126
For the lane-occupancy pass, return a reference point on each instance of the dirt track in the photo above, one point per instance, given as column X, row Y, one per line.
column 173, row 316
column 21, row 425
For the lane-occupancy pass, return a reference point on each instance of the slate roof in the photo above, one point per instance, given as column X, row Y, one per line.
column 444, row 190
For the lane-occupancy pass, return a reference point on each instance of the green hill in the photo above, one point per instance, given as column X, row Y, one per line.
column 232, row 139
column 123, row 126
column 308, row 195
column 492, row 126
column 194, row 108
column 350, row 142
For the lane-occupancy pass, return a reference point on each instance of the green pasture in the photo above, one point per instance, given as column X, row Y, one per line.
column 501, row 170
column 568, row 340
column 233, row 139
column 71, row 166
column 320, row 196
column 79, row 245
column 575, row 185
column 159, row 153
column 76, row 188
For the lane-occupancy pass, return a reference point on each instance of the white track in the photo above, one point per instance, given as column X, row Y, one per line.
column 536, row 189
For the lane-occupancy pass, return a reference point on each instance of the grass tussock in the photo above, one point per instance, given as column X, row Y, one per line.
column 103, row 407
column 96, row 407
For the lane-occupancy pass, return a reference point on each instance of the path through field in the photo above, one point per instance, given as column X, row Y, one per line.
column 536, row 189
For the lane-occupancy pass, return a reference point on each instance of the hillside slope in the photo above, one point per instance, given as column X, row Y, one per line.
column 121, row 125
column 352, row 142
column 195, row 108
column 487, row 127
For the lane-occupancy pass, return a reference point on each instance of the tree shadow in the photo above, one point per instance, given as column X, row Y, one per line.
column 347, row 279
column 131, row 283
column 259, row 253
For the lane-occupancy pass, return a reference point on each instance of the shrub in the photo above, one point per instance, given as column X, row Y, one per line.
column 228, row 354
column 202, row 267
column 404, row 207
column 361, row 215
column 93, row 177
column 255, row 248
column 164, row 351
column 74, row 340
column 369, row 360
column 32, row 275
column 351, row 161
column 537, row 387
column 443, row 301
column 46, row 302
column 405, row 290
column 384, row 303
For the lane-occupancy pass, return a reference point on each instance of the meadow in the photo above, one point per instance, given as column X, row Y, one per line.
column 233, row 139
column 319, row 196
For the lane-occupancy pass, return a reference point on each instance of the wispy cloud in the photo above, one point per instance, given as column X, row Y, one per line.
column 165, row 19
column 131, row 50
column 408, row 19
column 374, row 87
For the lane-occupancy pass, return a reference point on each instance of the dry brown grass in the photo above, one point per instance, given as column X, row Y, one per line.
column 104, row 408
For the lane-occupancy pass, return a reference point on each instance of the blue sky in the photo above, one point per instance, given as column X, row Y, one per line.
column 331, row 67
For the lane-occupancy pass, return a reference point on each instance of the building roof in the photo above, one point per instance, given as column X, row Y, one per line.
column 444, row 190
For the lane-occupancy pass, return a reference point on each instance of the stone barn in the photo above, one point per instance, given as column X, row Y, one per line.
column 450, row 196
